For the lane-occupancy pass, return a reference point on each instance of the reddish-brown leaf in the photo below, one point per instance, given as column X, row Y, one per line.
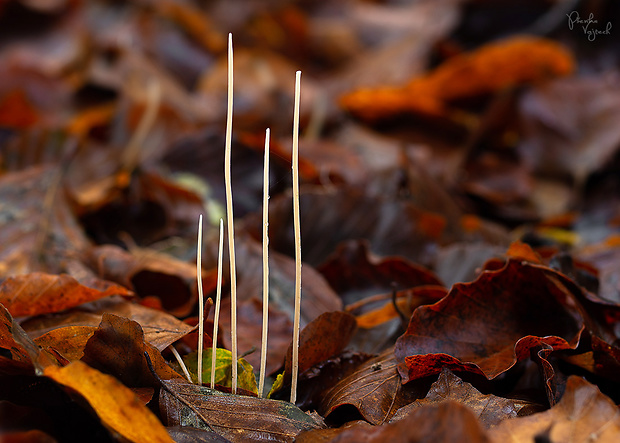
column 39, row 293
column 488, row 325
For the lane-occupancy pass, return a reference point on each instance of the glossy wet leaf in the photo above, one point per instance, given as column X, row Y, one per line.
column 223, row 369
column 237, row 418
column 115, row 404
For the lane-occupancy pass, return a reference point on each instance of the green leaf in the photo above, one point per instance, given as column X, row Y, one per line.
column 223, row 369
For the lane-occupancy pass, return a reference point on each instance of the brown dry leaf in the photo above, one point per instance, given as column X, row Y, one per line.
column 160, row 329
column 570, row 126
column 69, row 341
column 15, row 357
column 116, row 405
column 237, row 418
column 39, row 293
column 151, row 273
column 39, row 231
column 489, row 409
column 324, row 337
column 117, row 347
column 583, row 415
column 491, row 68
column 446, row 422
column 354, row 272
column 375, row 389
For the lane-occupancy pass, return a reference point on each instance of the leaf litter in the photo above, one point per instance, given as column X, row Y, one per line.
column 459, row 181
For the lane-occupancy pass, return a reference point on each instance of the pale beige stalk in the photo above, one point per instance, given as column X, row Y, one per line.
column 201, row 301
column 296, row 225
column 218, row 298
column 263, row 350
column 229, row 217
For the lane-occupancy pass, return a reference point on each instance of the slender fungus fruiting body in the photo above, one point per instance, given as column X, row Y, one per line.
column 218, row 298
column 296, row 223
column 263, row 351
column 201, row 301
column 229, row 217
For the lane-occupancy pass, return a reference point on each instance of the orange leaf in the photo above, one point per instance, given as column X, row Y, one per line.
column 491, row 68
column 40, row 293
column 522, row 251
column 116, row 405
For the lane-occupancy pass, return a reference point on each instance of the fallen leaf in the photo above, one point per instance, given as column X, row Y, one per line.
column 69, row 341
column 39, row 293
column 489, row 409
column 488, row 69
column 374, row 389
column 237, row 418
column 446, row 422
column 118, row 407
column 582, row 415
column 486, row 326
column 355, row 273
column 117, row 347
column 160, row 329
column 223, row 369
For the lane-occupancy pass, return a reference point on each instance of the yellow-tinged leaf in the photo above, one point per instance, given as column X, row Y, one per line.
column 223, row 369
column 116, row 405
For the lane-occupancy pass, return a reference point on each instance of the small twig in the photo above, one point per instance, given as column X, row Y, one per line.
column 296, row 223
column 263, row 352
column 218, row 298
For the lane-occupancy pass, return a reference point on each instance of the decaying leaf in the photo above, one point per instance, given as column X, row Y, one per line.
column 115, row 404
column 582, row 415
column 446, row 422
column 490, row 409
column 237, row 418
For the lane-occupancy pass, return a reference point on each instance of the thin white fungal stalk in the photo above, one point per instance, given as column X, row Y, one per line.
column 296, row 224
column 181, row 363
column 229, row 217
column 201, row 301
column 263, row 350
column 218, row 297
